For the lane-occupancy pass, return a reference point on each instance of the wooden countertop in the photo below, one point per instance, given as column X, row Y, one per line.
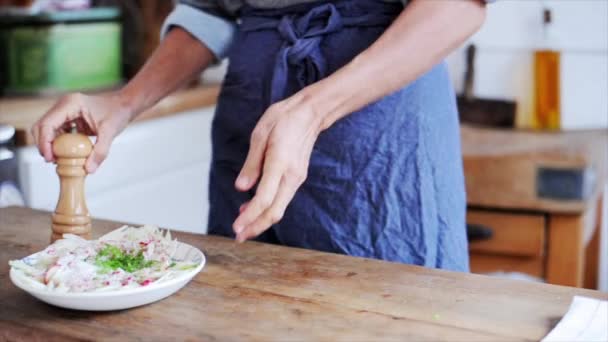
column 263, row 292
column 23, row 112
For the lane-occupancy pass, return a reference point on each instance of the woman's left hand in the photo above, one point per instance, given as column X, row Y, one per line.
column 279, row 153
column 283, row 139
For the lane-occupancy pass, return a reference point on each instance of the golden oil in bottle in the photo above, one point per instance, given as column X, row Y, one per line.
column 547, row 83
column 546, row 97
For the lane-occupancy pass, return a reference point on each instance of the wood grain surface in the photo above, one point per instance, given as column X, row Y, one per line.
column 568, row 236
column 501, row 166
column 261, row 292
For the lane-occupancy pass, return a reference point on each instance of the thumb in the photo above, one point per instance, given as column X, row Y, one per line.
column 100, row 151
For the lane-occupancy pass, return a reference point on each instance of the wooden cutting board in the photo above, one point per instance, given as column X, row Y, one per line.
column 262, row 292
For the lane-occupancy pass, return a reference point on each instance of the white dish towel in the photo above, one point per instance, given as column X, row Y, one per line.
column 586, row 320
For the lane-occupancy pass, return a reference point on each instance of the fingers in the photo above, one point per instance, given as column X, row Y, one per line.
column 274, row 213
column 73, row 109
column 100, row 150
column 45, row 131
column 50, row 125
column 253, row 164
column 46, row 134
column 265, row 193
column 79, row 123
column 280, row 150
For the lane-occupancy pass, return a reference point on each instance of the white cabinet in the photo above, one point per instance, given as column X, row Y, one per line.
column 156, row 173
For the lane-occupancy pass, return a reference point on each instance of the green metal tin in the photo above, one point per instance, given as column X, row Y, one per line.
column 61, row 52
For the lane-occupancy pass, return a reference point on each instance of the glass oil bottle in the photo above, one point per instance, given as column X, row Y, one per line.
column 547, row 81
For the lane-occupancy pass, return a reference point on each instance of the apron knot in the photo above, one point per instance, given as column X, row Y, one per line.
column 300, row 56
column 302, row 36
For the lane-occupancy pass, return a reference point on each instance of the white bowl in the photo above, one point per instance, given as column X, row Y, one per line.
column 117, row 299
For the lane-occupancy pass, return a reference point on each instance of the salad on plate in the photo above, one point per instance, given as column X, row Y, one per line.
column 125, row 258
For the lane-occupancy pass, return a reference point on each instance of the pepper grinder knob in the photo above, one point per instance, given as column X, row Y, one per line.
column 71, row 214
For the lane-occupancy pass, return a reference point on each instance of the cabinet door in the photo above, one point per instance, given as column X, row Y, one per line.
column 156, row 173
column 175, row 200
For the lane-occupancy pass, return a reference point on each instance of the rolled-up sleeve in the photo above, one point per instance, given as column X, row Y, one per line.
column 214, row 31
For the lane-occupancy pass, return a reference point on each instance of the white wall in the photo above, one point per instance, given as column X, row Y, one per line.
column 504, row 66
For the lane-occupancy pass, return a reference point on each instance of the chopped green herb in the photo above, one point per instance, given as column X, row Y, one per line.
column 112, row 258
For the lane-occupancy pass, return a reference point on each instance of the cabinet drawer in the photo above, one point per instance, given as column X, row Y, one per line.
column 484, row 263
column 514, row 234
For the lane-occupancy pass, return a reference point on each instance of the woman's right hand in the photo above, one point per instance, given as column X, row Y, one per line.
column 178, row 59
column 104, row 116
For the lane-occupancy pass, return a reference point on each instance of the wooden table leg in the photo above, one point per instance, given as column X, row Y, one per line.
column 568, row 235
column 592, row 253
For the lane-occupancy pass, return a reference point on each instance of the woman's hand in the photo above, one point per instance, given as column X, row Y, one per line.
column 280, row 149
column 178, row 59
column 104, row 116
column 282, row 141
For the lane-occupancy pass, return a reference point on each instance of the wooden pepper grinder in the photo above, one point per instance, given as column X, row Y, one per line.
column 71, row 215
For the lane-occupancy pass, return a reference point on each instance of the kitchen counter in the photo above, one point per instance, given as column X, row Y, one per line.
column 23, row 112
column 255, row 291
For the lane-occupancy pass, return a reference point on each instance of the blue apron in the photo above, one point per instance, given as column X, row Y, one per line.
column 385, row 182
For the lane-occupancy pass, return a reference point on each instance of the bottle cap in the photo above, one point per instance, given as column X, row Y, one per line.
column 547, row 16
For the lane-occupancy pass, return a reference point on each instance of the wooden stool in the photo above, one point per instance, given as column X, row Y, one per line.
column 71, row 215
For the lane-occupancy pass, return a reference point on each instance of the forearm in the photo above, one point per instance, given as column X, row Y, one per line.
column 177, row 60
column 417, row 40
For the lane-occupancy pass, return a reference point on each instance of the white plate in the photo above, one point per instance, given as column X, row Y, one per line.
column 117, row 299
